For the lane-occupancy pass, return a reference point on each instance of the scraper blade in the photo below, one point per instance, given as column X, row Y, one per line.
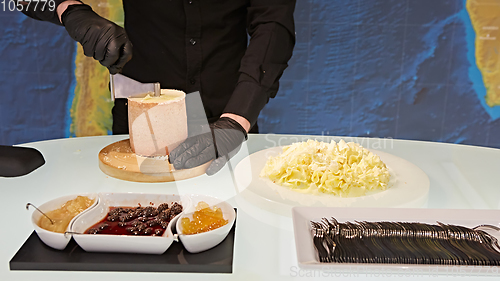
column 124, row 87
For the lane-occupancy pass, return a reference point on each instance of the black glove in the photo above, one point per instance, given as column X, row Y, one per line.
column 224, row 140
column 100, row 38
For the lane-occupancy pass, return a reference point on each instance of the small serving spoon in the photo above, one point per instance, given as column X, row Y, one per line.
column 28, row 207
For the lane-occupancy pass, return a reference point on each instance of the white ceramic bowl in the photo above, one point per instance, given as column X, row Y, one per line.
column 56, row 240
column 196, row 243
column 124, row 243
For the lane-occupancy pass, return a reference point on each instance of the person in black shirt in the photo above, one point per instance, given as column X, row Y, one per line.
column 193, row 45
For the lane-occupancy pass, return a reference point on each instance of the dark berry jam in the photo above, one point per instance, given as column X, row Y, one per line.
column 146, row 221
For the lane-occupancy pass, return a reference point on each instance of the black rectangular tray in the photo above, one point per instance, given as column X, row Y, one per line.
column 35, row 255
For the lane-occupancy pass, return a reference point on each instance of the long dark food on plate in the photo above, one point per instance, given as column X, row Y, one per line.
column 150, row 221
column 403, row 243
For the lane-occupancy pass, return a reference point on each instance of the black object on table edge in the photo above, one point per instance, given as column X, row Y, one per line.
column 19, row 161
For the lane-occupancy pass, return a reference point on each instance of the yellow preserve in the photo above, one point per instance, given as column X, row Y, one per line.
column 65, row 214
column 204, row 219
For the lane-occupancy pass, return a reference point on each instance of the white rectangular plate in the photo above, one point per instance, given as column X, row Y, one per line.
column 307, row 257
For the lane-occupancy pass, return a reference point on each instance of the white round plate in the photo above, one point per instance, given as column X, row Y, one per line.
column 408, row 187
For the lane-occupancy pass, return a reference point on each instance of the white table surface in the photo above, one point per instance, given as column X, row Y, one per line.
column 461, row 177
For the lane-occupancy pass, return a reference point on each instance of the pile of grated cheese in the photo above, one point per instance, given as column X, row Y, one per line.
column 343, row 169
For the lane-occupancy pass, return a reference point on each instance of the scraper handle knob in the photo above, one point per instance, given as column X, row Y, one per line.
column 157, row 89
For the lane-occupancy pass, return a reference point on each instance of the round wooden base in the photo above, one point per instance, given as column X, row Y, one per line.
column 119, row 161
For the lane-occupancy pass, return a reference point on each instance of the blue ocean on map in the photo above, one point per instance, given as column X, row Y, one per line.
column 399, row 69
column 376, row 68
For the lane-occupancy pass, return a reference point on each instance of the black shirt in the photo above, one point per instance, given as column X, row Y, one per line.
column 201, row 45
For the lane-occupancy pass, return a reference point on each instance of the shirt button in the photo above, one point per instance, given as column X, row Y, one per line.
column 192, row 41
column 192, row 81
column 190, row 2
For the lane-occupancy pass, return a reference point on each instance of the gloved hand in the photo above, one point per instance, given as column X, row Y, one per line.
column 100, row 38
column 223, row 140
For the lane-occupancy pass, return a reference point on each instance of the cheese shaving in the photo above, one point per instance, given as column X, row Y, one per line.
column 342, row 169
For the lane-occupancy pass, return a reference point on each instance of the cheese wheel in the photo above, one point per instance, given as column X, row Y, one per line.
column 157, row 125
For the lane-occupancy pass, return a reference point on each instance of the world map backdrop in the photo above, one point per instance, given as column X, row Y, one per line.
column 403, row 69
